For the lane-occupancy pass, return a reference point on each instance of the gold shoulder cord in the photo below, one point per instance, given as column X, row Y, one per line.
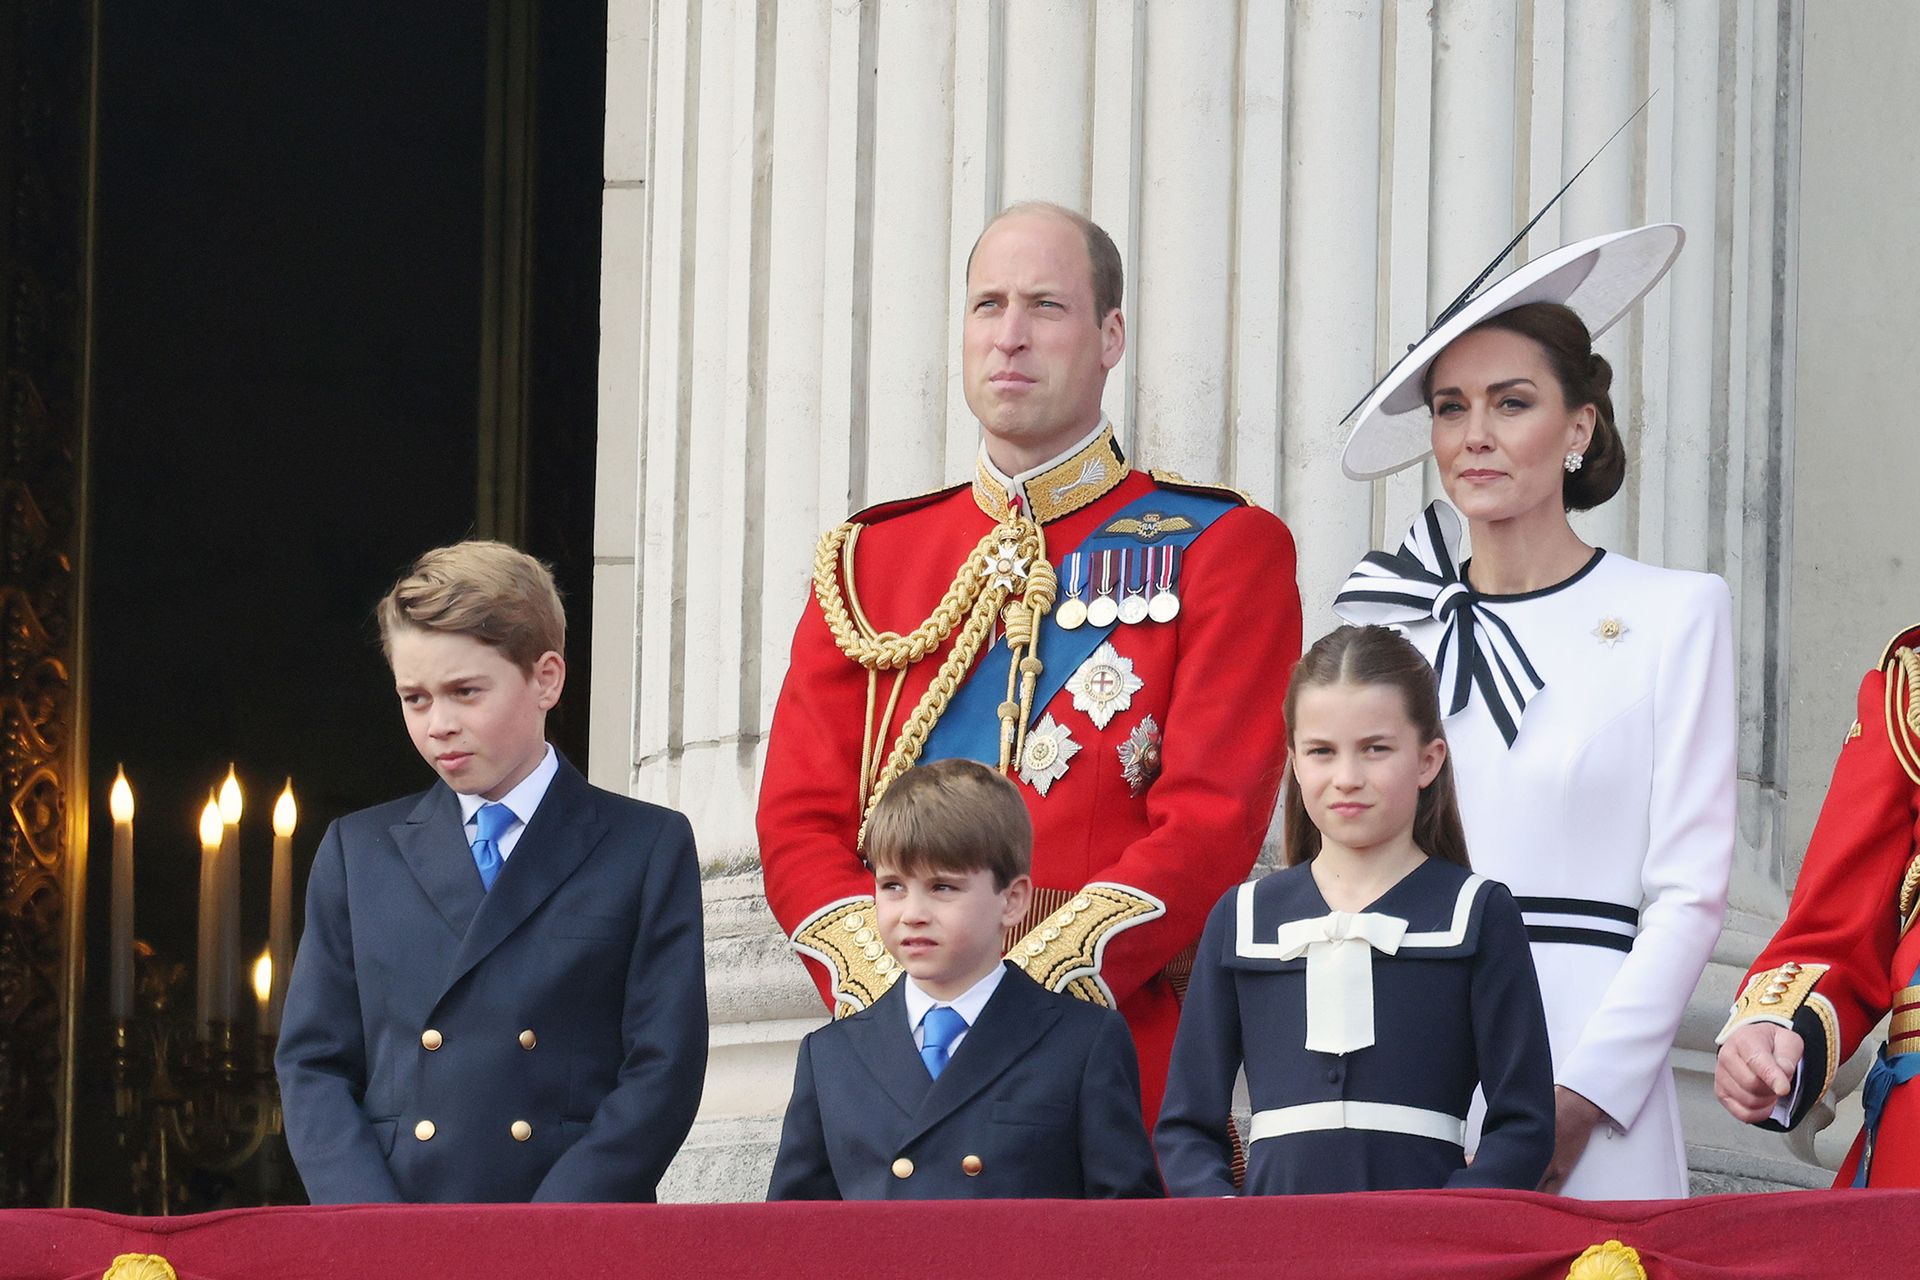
column 995, row 580
column 1903, row 713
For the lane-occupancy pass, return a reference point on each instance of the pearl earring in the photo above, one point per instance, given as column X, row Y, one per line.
column 1574, row 462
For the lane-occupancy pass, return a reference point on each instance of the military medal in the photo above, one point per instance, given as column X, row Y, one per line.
column 1165, row 605
column 1072, row 612
column 1133, row 594
column 1102, row 611
column 1140, row 755
column 1104, row 685
column 1049, row 747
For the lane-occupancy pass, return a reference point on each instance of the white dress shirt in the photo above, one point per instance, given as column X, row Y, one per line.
column 968, row 1006
column 522, row 800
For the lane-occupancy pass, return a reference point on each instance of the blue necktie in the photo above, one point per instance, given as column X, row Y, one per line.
column 940, row 1028
column 493, row 821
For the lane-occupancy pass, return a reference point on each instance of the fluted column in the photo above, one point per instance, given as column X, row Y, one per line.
column 1296, row 188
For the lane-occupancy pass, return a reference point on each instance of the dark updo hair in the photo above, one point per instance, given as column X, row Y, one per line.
column 1365, row 656
column 1585, row 378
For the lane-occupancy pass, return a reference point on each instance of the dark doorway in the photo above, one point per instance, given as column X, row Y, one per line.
column 293, row 270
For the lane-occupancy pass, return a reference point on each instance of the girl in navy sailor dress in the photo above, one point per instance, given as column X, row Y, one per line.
column 1372, row 984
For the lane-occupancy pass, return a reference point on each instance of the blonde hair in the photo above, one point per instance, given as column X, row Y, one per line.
column 956, row 816
column 498, row 594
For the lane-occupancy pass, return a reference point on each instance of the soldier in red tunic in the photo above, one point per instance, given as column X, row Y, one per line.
column 1117, row 642
column 1847, row 953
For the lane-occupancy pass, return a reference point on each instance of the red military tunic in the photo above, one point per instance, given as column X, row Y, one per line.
column 1846, row 954
column 1213, row 681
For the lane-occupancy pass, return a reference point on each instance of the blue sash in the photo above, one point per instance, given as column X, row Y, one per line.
column 970, row 727
column 1885, row 1073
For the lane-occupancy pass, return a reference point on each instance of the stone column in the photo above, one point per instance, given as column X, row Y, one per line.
column 792, row 191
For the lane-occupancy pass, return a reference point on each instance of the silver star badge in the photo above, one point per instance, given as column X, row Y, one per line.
column 1608, row 631
column 1004, row 568
column 1104, row 685
column 1140, row 755
column 1049, row 747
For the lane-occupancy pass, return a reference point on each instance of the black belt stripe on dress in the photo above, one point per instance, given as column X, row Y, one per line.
column 1574, row 935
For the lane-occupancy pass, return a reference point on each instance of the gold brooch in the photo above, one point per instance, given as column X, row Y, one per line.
column 139, row 1266
column 1608, row 631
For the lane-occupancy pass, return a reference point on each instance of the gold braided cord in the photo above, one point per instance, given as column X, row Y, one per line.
column 978, row 597
column 887, row 650
column 933, row 703
column 1903, row 718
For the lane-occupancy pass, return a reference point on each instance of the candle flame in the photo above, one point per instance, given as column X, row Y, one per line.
column 286, row 814
column 210, row 823
column 120, row 799
column 263, row 976
column 230, row 799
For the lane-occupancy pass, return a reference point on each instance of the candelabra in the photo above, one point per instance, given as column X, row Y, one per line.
column 197, row 1105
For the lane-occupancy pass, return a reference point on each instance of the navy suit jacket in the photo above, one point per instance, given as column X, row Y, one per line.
column 546, row 1040
column 1041, row 1100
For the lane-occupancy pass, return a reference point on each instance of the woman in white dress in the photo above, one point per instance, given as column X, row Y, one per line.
column 1590, row 698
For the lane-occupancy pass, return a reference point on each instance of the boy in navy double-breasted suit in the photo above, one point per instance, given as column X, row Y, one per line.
column 967, row 1080
column 499, row 994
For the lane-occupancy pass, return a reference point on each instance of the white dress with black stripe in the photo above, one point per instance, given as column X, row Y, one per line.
column 1611, row 819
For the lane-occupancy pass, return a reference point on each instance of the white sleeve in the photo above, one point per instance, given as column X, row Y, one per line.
column 1624, row 1047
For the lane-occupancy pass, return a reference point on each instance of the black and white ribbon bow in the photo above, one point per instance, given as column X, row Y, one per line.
column 1423, row 580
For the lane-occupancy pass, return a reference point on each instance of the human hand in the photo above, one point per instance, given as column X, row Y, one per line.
column 1755, row 1069
column 1574, row 1120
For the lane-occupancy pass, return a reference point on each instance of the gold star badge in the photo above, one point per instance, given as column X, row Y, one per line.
column 1608, row 631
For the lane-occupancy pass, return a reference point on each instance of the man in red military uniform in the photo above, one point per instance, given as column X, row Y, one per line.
column 1847, row 952
column 1117, row 642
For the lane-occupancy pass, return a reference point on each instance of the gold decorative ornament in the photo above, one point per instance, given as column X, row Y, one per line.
column 1776, row 995
column 838, row 936
column 1150, row 527
column 1062, row 952
column 993, row 582
column 140, row 1266
column 1076, row 482
column 1609, row 1261
column 1608, row 631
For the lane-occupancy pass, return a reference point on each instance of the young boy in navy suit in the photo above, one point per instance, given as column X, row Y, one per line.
column 968, row 1080
column 500, row 991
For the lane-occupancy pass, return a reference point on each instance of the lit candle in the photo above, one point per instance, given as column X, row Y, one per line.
column 120, row 804
column 262, row 988
column 286, row 816
column 227, row 992
column 209, row 948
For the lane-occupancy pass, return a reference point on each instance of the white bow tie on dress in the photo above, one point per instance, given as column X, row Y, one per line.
column 1339, row 948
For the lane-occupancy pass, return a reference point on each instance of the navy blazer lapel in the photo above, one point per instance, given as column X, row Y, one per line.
column 563, row 831
column 1017, row 1014
column 433, row 842
column 884, row 1042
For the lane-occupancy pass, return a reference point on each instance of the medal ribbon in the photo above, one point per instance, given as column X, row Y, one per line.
column 970, row 727
column 1478, row 649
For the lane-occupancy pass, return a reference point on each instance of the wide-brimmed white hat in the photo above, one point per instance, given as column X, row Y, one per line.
column 1600, row 279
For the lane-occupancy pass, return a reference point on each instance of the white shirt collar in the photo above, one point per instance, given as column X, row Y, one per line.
column 523, row 799
column 968, row 1006
column 1017, row 485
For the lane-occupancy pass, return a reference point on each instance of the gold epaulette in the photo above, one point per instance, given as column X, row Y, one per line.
column 1174, row 480
column 900, row 506
column 1901, row 662
column 1062, row 952
column 1775, row 995
column 845, row 938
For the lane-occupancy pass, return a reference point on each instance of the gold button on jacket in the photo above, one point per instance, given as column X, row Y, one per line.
column 431, row 1040
column 903, row 1168
column 520, row 1130
column 423, row 1130
column 971, row 1166
column 528, row 1039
